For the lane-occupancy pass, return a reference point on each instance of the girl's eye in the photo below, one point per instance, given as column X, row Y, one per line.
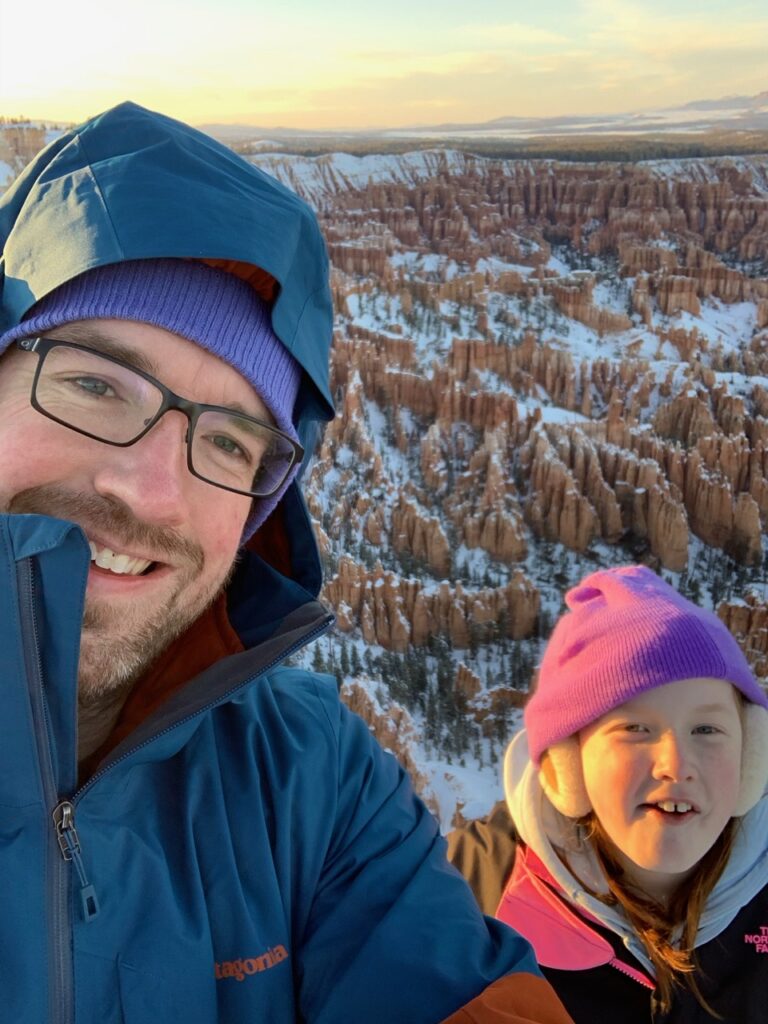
column 706, row 730
column 636, row 727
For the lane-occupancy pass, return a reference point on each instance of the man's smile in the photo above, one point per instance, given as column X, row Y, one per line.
column 121, row 564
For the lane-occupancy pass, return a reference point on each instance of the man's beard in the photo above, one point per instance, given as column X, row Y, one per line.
column 118, row 644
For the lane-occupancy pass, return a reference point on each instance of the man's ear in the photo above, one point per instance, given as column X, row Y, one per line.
column 562, row 779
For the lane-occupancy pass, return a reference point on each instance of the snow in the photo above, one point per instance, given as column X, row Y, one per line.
column 711, row 170
column 394, row 461
column 313, row 177
column 550, row 413
column 613, row 294
column 469, row 788
column 425, row 263
column 473, row 562
column 561, row 268
column 495, row 266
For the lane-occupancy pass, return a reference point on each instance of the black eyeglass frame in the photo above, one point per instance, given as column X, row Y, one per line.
column 170, row 400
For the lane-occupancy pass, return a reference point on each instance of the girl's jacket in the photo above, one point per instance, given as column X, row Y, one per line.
column 586, row 948
column 248, row 853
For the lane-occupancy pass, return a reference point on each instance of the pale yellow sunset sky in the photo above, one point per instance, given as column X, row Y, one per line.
column 389, row 64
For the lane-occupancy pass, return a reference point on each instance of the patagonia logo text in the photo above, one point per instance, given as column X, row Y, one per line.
column 759, row 941
column 240, row 969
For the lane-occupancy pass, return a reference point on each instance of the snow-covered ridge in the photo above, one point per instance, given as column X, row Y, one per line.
column 333, row 173
column 315, row 178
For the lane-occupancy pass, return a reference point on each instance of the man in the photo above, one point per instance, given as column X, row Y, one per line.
column 189, row 832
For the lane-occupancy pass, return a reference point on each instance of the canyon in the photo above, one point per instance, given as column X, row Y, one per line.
column 542, row 369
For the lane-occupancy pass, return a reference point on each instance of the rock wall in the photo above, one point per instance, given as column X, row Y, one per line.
column 395, row 612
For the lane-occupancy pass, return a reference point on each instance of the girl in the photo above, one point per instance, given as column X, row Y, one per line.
column 639, row 812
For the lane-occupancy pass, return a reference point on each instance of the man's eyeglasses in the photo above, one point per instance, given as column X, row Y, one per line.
column 111, row 401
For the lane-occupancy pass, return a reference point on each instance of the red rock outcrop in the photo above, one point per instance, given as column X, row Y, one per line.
column 747, row 619
column 556, row 510
column 495, row 704
column 467, row 682
column 675, row 292
column 574, row 300
column 395, row 612
column 393, row 728
column 479, row 206
column 421, row 535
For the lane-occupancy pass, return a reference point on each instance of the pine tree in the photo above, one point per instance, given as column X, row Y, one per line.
column 344, row 664
column 318, row 661
column 356, row 668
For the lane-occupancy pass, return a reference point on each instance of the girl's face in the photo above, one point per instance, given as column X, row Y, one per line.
column 663, row 772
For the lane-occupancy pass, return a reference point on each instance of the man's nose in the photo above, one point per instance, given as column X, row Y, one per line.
column 673, row 759
column 151, row 476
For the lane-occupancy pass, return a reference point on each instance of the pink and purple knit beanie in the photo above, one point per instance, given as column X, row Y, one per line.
column 627, row 631
column 210, row 307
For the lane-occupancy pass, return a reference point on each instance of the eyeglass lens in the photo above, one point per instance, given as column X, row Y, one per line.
column 92, row 393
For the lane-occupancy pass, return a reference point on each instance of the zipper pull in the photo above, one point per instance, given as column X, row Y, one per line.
column 69, row 844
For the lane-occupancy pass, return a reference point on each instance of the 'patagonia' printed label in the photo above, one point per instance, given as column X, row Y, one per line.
column 241, row 969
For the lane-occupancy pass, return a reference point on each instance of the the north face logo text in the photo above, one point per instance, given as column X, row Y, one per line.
column 760, row 942
column 240, row 969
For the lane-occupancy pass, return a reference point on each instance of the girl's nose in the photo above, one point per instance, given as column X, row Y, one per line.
column 672, row 759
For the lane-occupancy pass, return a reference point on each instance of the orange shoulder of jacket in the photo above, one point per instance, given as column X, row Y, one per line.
column 514, row 999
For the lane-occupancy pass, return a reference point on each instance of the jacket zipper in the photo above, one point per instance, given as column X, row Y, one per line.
column 61, row 979
column 69, row 844
column 632, row 973
column 64, row 841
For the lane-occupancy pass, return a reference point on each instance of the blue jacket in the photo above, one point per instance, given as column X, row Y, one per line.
column 248, row 852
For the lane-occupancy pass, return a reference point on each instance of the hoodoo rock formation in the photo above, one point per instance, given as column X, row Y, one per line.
column 747, row 619
column 537, row 353
column 395, row 612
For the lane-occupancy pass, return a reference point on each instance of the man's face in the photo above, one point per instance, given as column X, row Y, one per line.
column 179, row 534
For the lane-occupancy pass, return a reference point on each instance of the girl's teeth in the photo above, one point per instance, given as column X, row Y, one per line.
column 672, row 807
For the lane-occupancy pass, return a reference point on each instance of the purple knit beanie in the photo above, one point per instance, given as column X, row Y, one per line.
column 626, row 632
column 211, row 307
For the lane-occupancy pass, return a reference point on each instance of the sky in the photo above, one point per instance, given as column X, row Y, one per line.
column 311, row 65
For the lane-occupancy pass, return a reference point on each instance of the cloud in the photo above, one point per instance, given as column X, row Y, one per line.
column 658, row 32
column 513, row 34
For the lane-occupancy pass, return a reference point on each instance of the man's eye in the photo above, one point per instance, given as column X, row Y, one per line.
column 229, row 447
column 93, row 386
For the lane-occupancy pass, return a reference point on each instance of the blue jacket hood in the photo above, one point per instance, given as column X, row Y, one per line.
column 133, row 184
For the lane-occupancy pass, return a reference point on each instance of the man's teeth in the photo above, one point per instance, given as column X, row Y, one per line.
column 671, row 806
column 122, row 564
